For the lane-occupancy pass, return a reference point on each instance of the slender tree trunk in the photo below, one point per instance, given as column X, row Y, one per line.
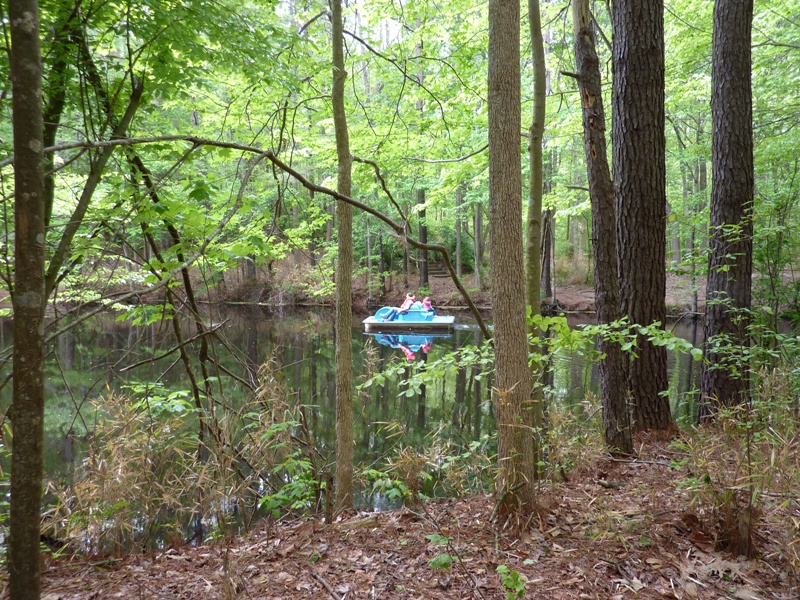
column 381, row 267
column 477, row 230
column 459, row 200
column 344, row 270
column 675, row 236
column 547, row 254
column 56, row 96
column 533, row 245
column 423, row 237
column 423, row 224
column 405, row 258
column 516, row 468
column 725, row 379
column 613, row 387
column 640, row 187
column 369, row 269
column 28, row 300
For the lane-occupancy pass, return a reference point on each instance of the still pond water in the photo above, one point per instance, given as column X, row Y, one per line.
column 102, row 355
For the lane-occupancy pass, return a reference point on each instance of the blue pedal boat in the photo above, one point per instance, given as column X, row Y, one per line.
column 415, row 319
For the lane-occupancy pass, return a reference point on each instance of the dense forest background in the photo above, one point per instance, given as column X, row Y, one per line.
column 185, row 152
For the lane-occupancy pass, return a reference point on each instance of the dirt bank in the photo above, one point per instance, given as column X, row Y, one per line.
column 570, row 297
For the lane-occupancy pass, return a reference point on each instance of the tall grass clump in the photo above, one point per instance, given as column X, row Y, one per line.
column 743, row 470
column 159, row 470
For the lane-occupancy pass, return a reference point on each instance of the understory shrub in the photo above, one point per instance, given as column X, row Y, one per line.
column 161, row 470
column 743, row 471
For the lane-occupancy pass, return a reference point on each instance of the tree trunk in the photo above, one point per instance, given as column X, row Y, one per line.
column 640, row 188
column 725, row 379
column 477, row 230
column 423, row 237
column 613, row 388
column 459, row 200
column 28, row 300
column 369, row 269
column 547, row 254
column 675, row 237
column 533, row 245
column 405, row 255
column 516, row 469
column 344, row 270
column 381, row 268
column 56, row 96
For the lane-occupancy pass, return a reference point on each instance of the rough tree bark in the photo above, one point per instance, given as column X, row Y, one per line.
column 28, row 301
column 640, row 188
column 613, row 388
column 516, row 468
column 730, row 259
column 344, row 284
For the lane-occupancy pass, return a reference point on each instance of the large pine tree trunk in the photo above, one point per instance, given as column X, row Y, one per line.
column 28, row 299
column 730, row 259
column 640, row 189
column 613, row 386
column 344, row 282
column 516, row 468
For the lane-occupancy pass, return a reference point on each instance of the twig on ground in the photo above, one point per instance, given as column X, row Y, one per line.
column 660, row 463
column 325, row 584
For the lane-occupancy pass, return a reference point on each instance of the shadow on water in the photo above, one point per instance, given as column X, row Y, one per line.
column 101, row 355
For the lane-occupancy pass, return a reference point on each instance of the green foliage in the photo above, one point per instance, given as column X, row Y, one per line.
column 513, row 583
column 442, row 561
column 157, row 402
column 747, row 465
column 437, row 539
column 299, row 493
column 383, row 484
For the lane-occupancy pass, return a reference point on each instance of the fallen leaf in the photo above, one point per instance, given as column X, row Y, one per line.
column 284, row 578
column 746, row 594
column 703, row 541
column 690, row 588
column 654, row 562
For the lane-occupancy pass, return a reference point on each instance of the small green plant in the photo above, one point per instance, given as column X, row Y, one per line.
column 513, row 583
column 438, row 539
column 298, row 493
column 441, row 561
column 382, row 483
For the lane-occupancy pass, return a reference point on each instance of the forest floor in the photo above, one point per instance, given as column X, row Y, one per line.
column 615, row 529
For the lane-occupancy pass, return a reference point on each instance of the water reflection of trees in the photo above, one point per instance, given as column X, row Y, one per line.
column 95, row 359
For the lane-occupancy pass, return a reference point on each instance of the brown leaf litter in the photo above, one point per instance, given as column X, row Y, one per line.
column 637, row 538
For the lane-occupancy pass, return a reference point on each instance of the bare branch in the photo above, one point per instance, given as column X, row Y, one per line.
column 308, row 23
column 451, row 160
column 269, row 155
column 396, row 64
column 375, row 166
